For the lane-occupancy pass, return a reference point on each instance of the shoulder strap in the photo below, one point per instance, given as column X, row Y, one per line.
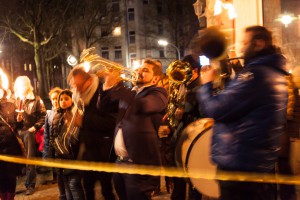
column 7, row 124
column 15, row 134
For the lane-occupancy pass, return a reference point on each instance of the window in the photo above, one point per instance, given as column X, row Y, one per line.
column 131, row 37
column 105, row 52
column 118, row 53
column 115, row 6
column 145, row 2
column 104, row 32
column 161, row 53
column 130, row 14
column 148, row 53
column 130, row 2
column 116, row 19
column 159, row 7
column 160, row 29
column 134, row 62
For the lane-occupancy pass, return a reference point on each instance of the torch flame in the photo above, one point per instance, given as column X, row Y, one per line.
column 4, row 79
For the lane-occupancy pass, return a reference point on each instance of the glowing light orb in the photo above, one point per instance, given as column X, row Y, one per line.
column 72, row 60
column 86, row 66
column 286, row 19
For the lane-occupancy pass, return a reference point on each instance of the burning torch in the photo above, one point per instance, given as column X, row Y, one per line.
column 20, row 106
column 3, row 84
column 19, row 96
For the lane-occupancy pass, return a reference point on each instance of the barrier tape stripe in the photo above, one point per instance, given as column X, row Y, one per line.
column 154, row 171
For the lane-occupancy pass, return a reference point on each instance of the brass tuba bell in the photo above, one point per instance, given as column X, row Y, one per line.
column 179, row 74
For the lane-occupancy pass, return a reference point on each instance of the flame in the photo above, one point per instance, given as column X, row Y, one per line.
column 18, row 87
column 4, row 79
column 86, row 66
column 219, row 5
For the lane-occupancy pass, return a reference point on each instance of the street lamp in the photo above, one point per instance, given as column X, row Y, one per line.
column 287, row 19
column 166, row 43
column 72, row 60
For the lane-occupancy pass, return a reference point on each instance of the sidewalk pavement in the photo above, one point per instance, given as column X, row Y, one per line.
column 49, row 191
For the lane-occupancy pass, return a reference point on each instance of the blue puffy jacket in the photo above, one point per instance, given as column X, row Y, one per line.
column 249, row 116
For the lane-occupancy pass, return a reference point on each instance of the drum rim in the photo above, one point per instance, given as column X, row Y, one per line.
column 192, row 145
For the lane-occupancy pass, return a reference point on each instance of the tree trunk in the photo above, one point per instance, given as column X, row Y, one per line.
column 40, row 76
column 38, row 58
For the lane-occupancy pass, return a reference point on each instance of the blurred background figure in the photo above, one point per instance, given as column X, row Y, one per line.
column 48, row 151
column 290, row 135
column 10, row 144
column 33, row 111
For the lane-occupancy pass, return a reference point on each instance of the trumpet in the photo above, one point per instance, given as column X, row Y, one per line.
column 213, row 44
column 234, row 58
column 100, row 65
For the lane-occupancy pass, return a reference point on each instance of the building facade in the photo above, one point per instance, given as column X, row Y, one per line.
column 142, row 24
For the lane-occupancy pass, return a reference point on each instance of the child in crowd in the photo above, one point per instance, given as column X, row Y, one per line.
column 66, row 144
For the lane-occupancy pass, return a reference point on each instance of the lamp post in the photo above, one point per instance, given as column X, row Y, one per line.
column 165, row 43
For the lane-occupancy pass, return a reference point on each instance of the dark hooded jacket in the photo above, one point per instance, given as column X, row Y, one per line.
column 249, row 115
column 8, row 142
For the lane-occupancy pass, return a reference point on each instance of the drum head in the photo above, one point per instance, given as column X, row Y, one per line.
column 193, row 149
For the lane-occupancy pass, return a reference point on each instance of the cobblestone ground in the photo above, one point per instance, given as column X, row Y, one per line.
column 49, row 191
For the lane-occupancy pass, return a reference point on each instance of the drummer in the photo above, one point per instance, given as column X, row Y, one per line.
column 249, row 115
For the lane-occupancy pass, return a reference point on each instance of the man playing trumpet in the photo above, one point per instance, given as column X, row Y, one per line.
column 249, row 116
column 136, row 140
column 98, row 121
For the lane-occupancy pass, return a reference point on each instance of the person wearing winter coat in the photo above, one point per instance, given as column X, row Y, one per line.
column 10, row 121
column 65, row 140
column 34, row 112
column 249, row 114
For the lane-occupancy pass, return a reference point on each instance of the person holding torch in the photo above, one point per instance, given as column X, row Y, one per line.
column 33, row 111
column 10, row 143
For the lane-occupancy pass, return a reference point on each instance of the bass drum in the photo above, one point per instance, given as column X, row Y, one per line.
column 193, row 154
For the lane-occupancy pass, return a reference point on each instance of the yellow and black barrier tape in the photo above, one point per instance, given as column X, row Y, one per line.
column 154, row 170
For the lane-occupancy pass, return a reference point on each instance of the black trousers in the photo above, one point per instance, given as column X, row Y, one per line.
column 179, row 190
column 235, row 190
column 8, row 185
column 73, row 187
column 134, row 186
column 89, row 180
